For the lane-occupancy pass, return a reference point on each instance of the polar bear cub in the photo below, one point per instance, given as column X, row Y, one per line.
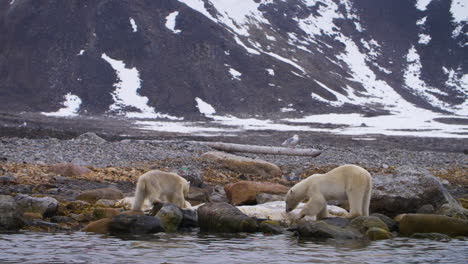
column 349, row 182
column 159, row 186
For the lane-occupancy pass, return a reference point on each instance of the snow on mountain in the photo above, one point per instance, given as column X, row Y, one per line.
column 70, row 108
column 395, row 66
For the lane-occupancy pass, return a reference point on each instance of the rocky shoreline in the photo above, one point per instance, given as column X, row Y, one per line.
column 43, row 182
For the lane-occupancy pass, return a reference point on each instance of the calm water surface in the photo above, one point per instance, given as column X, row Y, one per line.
column 80, row 247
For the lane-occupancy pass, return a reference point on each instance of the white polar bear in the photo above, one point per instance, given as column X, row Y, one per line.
column 344, row 182
column 159, row 186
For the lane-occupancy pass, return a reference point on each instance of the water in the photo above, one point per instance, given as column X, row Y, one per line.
column 194, row 248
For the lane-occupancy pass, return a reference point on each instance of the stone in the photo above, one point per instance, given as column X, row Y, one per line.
column 69, row 169
column 244, row 165
column 135, row 224
column 432, row 223
column 364, row 223
column 93, row 196
column 106, row 202
column 322, row 229
column 406, row 190
column 375, row 233
column 61, row 219
column 426, row 209
column 10, row 216
column 270, row 227
column 431, row 236
column 28, row 216
column 452, row 211
column 189, row 219
column 391, row 224
column 46, row 206
column 99, row 213
column 266, row 197
column 198, row 195
column 100, row 226
column 91, row 137
column 8, row 179
column 218, row 195
column 43, row 225
column 224, row 218
column 170, row 217
column 245, row 192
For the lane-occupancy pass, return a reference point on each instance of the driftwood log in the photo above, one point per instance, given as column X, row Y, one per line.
column 230, row 147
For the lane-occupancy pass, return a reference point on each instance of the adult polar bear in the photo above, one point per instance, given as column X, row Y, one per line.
column 344, row 182
column 160, row 186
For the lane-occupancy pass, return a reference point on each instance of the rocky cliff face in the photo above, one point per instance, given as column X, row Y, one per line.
column 273, row 58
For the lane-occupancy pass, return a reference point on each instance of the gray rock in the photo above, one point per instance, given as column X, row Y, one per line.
column 406, row 190
column 268, row 227
column 10, row 216
column 426, row 209
column 90, row 137
column 364, row 223
column 170, row 217
column 224, row 218
column 134, row 224
column 322, row 229
column 92, row 196
column 46, row 206
column 266, row 197
column 190, row 218
column 391, row 224
column 61, row 219
column 106, row 202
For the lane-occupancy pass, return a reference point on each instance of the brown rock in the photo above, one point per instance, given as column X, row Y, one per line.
column 431, row 223
column 99, row 213
column 245, row 192
column 244, row 165
column 92, row 196
column 100, row 226
column 69, row 169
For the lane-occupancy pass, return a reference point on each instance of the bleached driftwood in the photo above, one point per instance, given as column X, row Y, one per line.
column 230, row 147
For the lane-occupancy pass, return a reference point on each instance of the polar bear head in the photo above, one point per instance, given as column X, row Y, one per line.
column 292, row 200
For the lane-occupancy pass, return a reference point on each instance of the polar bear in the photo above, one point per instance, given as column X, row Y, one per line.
column 160, row 186
column 344, row 182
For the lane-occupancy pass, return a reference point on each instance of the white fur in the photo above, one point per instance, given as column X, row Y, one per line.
column 159, row 186
column 349, row 182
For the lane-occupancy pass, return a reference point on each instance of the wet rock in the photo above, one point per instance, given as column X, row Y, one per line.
column 170, row 217
column 407, row 189
column 189, row 219
column 106, row 202
column 391, row 224
column 225, row 218
column 266, row 197
column 99, row 213
column 244, row 165
column 10, row 216
column 198, row 195
column 426, row 209
column 375, row 233
column 8, row 179
column 100, row 226
column 46, row 206
column 245, row 192
column 270, row 227
column 364, row 223
column 93, row 196
column 453, row 211
column 61, row 219
column 134, row 224
column 431, row 236
column 69, row 170
column 322, row 229
column 432, row 223
column 43, row 225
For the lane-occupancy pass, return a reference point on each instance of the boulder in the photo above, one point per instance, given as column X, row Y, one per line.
column 453, row 211
column 375, row 233
column 93, row 196
column 364, row 223
column 218, row 195
column 426, row 209
column 189, row 219
column 391, row 224
column 46, row 206
column 266, row 197
column 99, row 213
column 244, row 165
column 406, row 190
column 270, row 227
column 198, row 195
column 10, row 216
column 69, row 169
column 322, row 229
column 134, row 224
column 432, row 223
column 100, row 226
column 61, row 219
column 170, row 217
column 224, row 218
column 245, row 192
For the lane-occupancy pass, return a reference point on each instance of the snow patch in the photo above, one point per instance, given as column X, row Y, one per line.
column 134, row 25
column 81, row 52
column 271, row 72
column 171, row 22
column 421, row 21
column 287, row 109
column 126, row 92
column 205, row 108
column 235, row 74
column 71, row 106
column 459, row 10
column 424, row 39
column 421, row 5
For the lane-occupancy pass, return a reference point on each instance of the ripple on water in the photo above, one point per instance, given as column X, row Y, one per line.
column 80, row 247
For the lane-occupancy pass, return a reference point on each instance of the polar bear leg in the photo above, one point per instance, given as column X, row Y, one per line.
column 366, row 202
column 316, row 205
column 356, row 201
column 140, row 195
column 323, row 214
